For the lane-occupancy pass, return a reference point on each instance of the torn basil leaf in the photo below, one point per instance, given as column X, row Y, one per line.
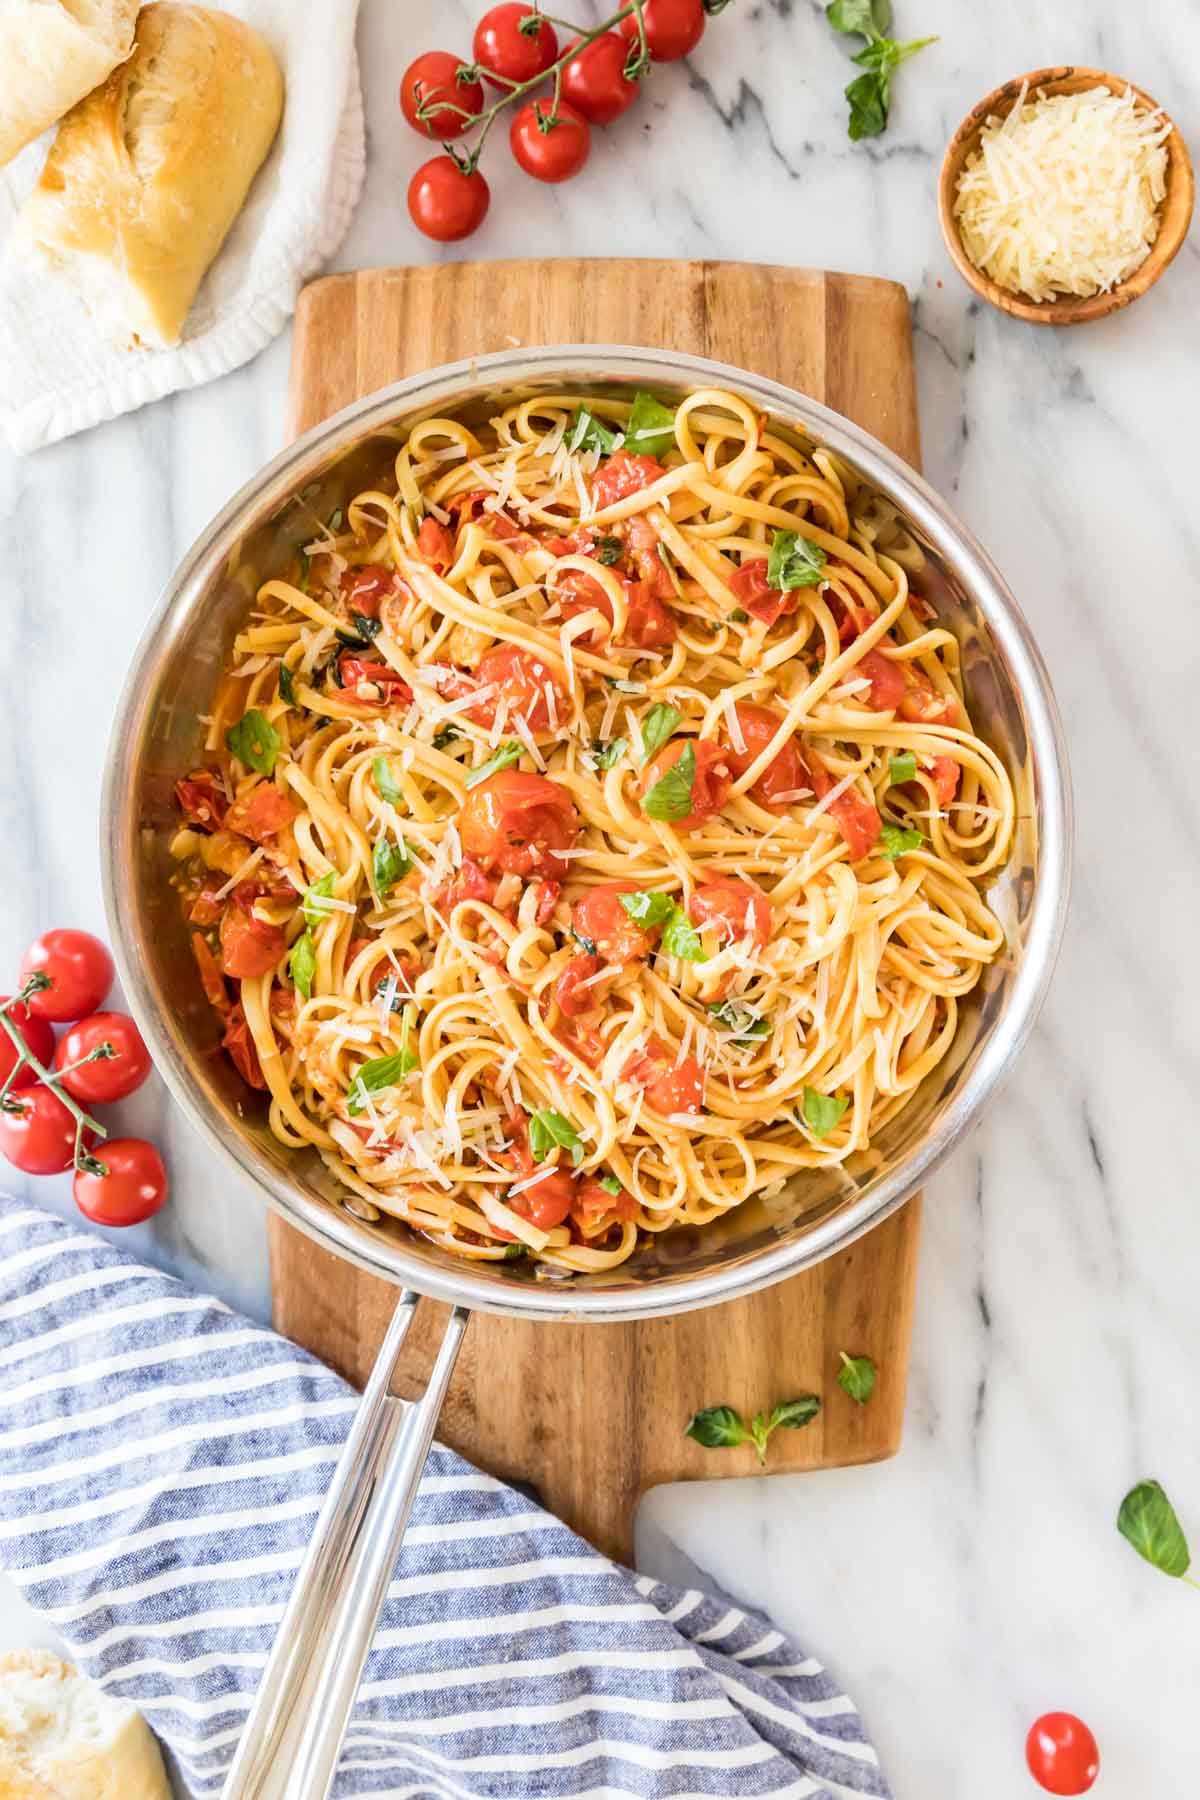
column 389, row 788
column 606, row 756
column 651, row 427
column 315, row 897
column 659, row 724
column 390, row 863
column 648, row 906
column 902, row 769
column 549, row 1131
column 254, row 741
column 302, row 964
column 856, row 1377
column 794, row 562
column 822, row 1111
column 503, row 758
column 671, row 795
column 587, row 433
column 896, row 839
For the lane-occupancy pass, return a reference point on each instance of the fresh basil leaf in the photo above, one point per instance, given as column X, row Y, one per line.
column 381, row 1072
column 587, row 433
column 314, row 899
column 739, row 616
column 658, row 726
column 389, row 788
column 651, row 427
column 794, row 562
column 792, row 1414
column 1147, row 1520
column 609, row 550
column 896, row 839
column 680, row 938
column 586, row 944
column 334, row 522
column 287, row 687
column 366, row 626
column 446, row 735
column 610, row 1184
column 738, row 1017
column 867, row 17
column 254, row 741
column 902, row 769
column 606, row 756
column 504, row 758
column 717, row 1427
column 302, row 964
column 548, row 1131
column 856, row 1377
column 390, row 863
column 671, row 795
column 648, row 906
column 822, row 1111
column 514, row 1252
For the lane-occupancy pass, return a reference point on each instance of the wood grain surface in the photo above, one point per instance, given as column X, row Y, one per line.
column 591, row 1416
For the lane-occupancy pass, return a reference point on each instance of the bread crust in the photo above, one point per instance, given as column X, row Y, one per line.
column 50, row 58
column 63, row 1738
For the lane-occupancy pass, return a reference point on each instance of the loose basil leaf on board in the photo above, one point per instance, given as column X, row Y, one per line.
column 548, row 1131
column 896, row 839
column 1147, row 1521
column 680, row 938
column 902, row 769
column 610, row 1184
column 314, row 899
column 609, row 550
column 856, row 1377
column 607, row 755
column 792, row 1414
column 254, row 741
column 822, row 1111
column 671, row 796
column 287, row 686
column 389, row 788
column 717, row 1427
column 587, row 433
column 504, row 758
column 302, row 964
column 390, row 863
column 648, row 906
column 651, row 427
column 794, row 562
column 658, row 725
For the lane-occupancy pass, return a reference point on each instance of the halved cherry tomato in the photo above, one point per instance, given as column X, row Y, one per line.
column 249, row 945
column 520, row 678
column 599, row 917
column 241, row 1049
column 670, row 1087
column 593, row 1202
column 356, row 672
column 946, row 773
column 549, row 142
column 260, row 814
column 898, row 687
column 34, row 1032
column 856, row 818
column 886, row 678
column 365, row 587
column 38, row 1134
column 570, row 994
column 755, row 595
column 710, row 783
column 470, row 883
column 110, row 1077
column 736, row 909
column 1062, row 1754
column 78, row 968
column 445, row 202
column 673, row 27
column 433, row 84
column 648, row 624
column 206, row 909
column 620, row 475
column 202, row 799
column 785, row 774
column 545, row 1202
column 643, row 542
column 517, row 823
column 133, row 1188
column 436, row 544
column 502, row 48
column 595, row 82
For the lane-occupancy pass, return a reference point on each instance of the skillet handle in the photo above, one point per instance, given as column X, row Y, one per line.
column 293, row 1736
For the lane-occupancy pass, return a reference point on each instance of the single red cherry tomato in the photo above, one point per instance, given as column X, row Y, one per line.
column 673, row 27
column 734, row 908
column 133, row 1188
column 79, row 970
column 433, row 85
column 261, row 813
column 785, row 775
column 550, row 143
column 249, row 945
column 516, row 824
column 520, row 679
column 620, row 475
column 670, row 1086
column 445, row 202
column 109, row 1077
column 595, row 82
column 1062, row 1754
column 599, row 917
column 711, row 779
column 545, row 1202
column 501, row 47
column 38, row 1135
column 34, row 1032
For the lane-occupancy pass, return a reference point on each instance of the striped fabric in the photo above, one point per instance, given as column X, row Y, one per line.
column 161, row 1464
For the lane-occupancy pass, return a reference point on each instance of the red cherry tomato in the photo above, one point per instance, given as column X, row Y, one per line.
column 249, row 945
column 515, row 823
column 549, row 143
column 1062, row 1754
column 670, row 1087
column 110, row 1077
column 620, row 475
column 785, row 774
column 599, row 917
column 34, row 1032
column 546, row 1202
column 595, row 82
column 434, row 78
column 446, row 203
column 734, row 908
column 133, row 1189
column 39, row 1134
column 520, row 679
column 673, row 27
column 79, row 969
column 711, row 779
column 502, row 48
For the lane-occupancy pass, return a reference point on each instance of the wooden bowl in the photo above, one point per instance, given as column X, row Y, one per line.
column 1174, row 217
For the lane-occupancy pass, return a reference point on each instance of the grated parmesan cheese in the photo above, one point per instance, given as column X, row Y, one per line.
column 1062, row 196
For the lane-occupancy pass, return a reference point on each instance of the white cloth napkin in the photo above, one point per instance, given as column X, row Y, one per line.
column 58, row 375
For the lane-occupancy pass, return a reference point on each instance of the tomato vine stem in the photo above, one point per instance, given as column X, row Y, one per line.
column 10, row 1099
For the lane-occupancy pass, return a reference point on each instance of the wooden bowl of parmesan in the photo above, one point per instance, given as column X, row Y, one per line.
column 1064, row 195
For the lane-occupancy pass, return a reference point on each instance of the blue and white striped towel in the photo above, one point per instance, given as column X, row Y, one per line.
column 161, row 1463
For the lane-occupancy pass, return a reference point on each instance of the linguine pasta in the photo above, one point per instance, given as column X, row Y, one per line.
column 592, row 834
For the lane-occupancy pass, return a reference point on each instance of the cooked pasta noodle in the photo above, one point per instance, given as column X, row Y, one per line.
column 591, row 834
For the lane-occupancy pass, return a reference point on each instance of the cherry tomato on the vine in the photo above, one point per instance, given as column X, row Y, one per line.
column 673, row 27
column 109, row 1077
column 38, row 1135
column 1062, row 1754
column 78, row 968
column 435, row 77
column 595, row 83
column 502, row 48
column 34, row 1032
column 445, row 202
column 133, row 1188
column 550, row 143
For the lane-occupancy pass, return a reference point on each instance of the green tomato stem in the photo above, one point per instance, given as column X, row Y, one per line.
column 83, row 1121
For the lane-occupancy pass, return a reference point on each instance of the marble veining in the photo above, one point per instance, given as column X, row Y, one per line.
column 977, row 1578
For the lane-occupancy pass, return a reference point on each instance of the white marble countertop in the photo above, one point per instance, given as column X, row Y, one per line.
column 976, row 1579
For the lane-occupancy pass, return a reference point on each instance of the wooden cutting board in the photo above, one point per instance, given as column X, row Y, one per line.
column 591, row 1416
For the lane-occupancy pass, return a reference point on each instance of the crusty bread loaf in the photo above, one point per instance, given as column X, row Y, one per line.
column 149, row 172
column 63, row 1738
column 52, row 53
